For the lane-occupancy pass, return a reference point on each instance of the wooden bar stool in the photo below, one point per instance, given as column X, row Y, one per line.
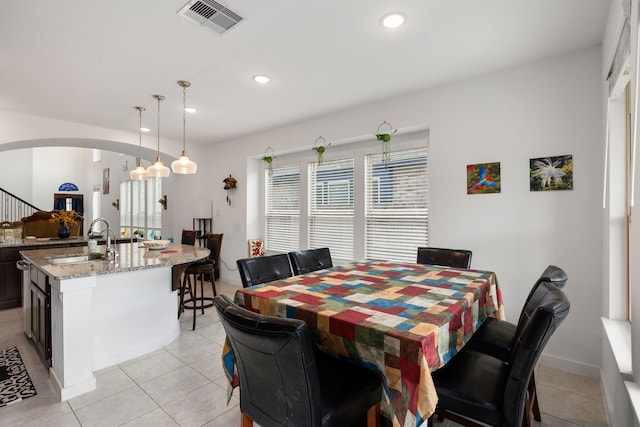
column 200, row 270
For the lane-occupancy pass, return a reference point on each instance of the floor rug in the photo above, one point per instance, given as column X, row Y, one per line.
column 15, row 384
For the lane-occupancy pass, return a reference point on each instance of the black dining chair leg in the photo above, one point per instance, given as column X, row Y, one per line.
column 213, row 284
column 202, row 292
column 533, row 392
column 181, row 303
column 183, row 290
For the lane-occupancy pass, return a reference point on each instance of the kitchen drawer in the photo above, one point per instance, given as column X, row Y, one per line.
column 38, row 277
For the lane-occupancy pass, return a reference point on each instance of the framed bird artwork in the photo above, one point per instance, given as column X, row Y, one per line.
column 483, row 178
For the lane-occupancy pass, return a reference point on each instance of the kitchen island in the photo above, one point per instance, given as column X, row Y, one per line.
column 11, row 278
column 102, row 312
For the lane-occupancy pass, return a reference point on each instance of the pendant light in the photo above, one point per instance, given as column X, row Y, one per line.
column 184, row 165
column 158, row 169
column 139, row 173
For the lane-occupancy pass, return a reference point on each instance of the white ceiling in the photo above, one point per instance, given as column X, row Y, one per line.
column 91, row 61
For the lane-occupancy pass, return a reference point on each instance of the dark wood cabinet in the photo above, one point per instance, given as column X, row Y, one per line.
column 40, row 300
column 10, row 279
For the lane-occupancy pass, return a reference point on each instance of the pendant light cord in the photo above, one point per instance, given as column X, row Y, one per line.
column 184, row 118
column 140, row 109
column 159, row 99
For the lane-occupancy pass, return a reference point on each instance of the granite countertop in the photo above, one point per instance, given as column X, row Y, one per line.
column 44, row 241
column 131, row 256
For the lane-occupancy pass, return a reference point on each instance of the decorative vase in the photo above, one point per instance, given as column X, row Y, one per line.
column 64, row 231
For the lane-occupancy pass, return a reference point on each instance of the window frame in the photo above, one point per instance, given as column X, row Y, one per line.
column 359, row 147
column 149, row 218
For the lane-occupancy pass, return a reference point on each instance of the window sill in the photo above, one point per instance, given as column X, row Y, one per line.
column 618, row 333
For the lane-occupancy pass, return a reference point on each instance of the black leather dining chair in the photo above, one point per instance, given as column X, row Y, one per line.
column 457, row 258
column 497, row 337
column 285, row 382
column 477, row 386
column 310, row 260
column 264, row 269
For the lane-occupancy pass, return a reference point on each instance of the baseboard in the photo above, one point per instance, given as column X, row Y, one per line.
column 66, row 393
column 569, row 365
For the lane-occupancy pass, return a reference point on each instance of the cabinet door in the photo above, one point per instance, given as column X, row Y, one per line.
column 10, row 279
column 39, row 320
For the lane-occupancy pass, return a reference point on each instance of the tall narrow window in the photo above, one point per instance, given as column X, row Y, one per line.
column 154, row 208
column 282, row 209
column 331, row 216
column 139, row 207
column 95, row 202
column 396, row 207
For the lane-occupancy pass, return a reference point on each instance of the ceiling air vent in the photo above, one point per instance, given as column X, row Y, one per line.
column 210, row 14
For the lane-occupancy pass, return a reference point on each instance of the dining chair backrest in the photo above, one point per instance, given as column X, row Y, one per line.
column 553, row 275
column 310, row 260
column 189, row 237
column 214, row 244
column 279, row 384
column 264, row 269
column 457, row 258
column 551, row 311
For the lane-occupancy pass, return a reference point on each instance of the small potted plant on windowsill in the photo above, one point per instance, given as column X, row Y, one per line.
column 139, row 234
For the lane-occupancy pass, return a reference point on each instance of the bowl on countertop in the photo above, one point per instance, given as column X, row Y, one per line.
column 155, row 244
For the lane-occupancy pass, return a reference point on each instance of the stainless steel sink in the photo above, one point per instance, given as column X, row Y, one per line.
column 75, row 258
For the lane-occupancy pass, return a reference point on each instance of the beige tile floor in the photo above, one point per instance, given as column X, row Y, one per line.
column 183, row 385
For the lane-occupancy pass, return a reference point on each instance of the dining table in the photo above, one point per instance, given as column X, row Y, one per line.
column 403, row 320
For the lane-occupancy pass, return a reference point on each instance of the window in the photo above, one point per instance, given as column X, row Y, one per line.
column 139, row 207
column 283, row 209
column 95, row 202
column 396, row 205
column 331, row 206
column 353, row 202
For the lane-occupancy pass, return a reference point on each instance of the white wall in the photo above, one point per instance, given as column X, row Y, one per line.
column 24, row 174
column 16, row 173
column 60, row 164
column 547, row 108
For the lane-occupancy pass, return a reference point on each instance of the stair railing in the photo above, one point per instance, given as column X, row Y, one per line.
column 13, row 208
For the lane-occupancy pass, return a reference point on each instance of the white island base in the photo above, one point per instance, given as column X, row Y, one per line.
column 102, row 320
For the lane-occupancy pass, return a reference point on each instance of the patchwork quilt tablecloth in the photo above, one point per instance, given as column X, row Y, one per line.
column 404, row 320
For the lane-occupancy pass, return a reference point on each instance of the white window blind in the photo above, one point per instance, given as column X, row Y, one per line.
column 154, row 208
column 138, row 200
column 139, row 207
column 396, row 207
column 331, row 216
column 125, row 205
column 282, row 197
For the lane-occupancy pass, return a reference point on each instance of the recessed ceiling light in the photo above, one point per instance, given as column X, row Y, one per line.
column 190, row 110
column 262, row 79
column 393, row 20
column 145, row 129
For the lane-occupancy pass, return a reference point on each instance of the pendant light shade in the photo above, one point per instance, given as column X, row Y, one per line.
column 158, row 169
column 139, row 173
column 184, row 165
